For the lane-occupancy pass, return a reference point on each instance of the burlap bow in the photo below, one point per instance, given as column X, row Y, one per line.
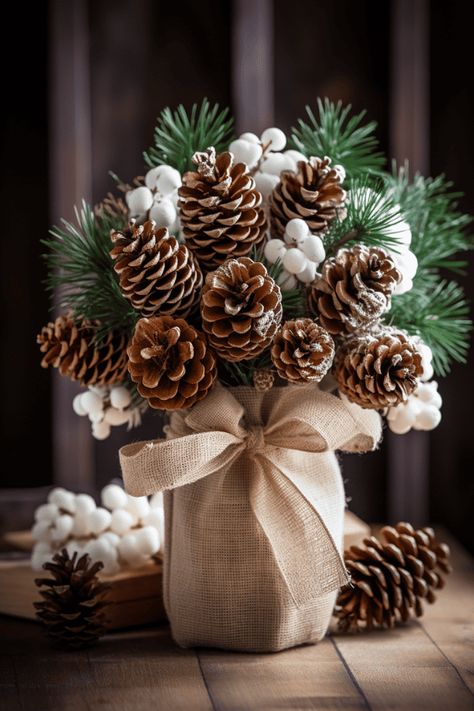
column 304, row 424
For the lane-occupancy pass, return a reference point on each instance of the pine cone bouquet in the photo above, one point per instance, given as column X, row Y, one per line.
column 302, row 351
column 72, row 609
column 391, row 577
column 221, row 210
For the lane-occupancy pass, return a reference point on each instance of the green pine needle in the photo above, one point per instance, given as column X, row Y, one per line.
column 178, row 135
column 344, row 138
column 80, row 269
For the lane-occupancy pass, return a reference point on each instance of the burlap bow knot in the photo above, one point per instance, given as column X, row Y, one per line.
column 304, row 424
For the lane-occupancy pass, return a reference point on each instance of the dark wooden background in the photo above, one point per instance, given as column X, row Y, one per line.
column 83, row 100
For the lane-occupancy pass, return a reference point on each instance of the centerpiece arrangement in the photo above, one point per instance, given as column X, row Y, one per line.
column 276, row 298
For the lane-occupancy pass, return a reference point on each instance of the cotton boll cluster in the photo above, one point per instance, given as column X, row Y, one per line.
column 108, row 407
column 158, row 198
column 422, row 410
column 299, row 251
column 124, row 531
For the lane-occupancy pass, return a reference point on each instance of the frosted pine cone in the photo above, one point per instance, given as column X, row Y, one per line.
column 302, row 351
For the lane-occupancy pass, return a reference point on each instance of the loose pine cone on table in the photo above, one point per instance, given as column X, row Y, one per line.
column 72, row 348
column 391, row 577
column 156, row 273
column 378, row 371
column 241, row 309
column 312, row 193
column 170, row 362
column 72, row 609
column 221, row 210
column 354, row 289
column 302, row 351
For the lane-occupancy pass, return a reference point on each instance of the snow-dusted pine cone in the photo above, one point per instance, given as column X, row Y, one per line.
column 302, row 351
column 354, row 289
column 241, row 309
column 221, row 210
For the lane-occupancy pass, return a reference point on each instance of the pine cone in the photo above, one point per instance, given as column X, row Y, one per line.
column 263, row 379
column 354, row 289
column 157, row 274
column 377, row 371
column 302, row 352
column 170, row 362
column 72, row 609
column 391, row 577
column 313, row 193
column 241, row 309
column 72, row 348
column 221, row 213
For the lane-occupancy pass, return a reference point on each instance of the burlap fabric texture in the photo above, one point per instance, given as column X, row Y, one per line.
column 254, row 506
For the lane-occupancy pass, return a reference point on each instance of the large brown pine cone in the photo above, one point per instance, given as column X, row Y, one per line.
column 241, row 309
column 72, row 609
column 312, row 193
column 221, row 210
column 302, row 351
column 157, row 274
column 354, row 289
column 72, row 348
column 378, row 371
column 391, row 577
column 171, row 363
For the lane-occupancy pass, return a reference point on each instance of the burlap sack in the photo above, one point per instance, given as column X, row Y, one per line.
column 254, row 506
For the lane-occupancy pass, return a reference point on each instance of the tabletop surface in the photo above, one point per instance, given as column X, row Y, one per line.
column 428, row 664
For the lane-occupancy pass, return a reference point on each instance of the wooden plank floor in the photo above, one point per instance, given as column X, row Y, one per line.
column 426, row 665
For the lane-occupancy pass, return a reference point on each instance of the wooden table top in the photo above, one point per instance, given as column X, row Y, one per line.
column 428, row 664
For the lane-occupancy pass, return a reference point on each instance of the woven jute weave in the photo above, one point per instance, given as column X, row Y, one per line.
column 254, row 506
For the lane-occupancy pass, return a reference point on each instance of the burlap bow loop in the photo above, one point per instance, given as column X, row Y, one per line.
column 304, row 426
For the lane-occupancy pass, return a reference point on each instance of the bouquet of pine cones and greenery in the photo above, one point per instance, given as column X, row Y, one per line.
column 260, row 261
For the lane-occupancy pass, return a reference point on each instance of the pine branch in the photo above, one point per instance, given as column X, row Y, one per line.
column 344, row 138
column 234, row 374
column 81, row 269
column 178, row 135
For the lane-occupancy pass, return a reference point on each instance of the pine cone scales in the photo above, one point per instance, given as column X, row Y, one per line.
column 170, row 362
column 221, row 213
column 72, row 606
column 157, row 274
column 71, row 348
column 313, row 193
column 354, row 289
column 302, row 351
column 378, row 371
column 391, row 577
column 241, row 309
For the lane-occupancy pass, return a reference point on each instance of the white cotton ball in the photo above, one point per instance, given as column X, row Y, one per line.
column 64, row 499
column 120, row 397
column 113, row 497
column 294, row 260
column 72, row 547
column 99, row 520
column 116, row 417
column 96, row 417
column 428, row 372
column 341, row 171
column 42, row 547
column 121, row 522
column 151, row 177
column 62, row 528
column 91, row 402
column 77, row 405
column 275, row 137
column 164, row 213
column 129, row 551
column 275, row 163
column 308, row 274
column 100, row 430
column 275, row 249
column 401, row 418
column 249, row 137
column 404, row 286
column 139, row 200
column 168, row 180
column 137, row 505
column 265, row 183
column 97, row 549
column 296, row 230
column 111, row 538
column 424, row 392
column 38, row 559
column 286, row 281
column 156, row 501
column 101, row 391
column 436, row 400
column 41, row 531
column 111, row 564
column 428, row 418
column 148, row 540
column 399, row 229
column 313, row 248
column 407, row 263
column 81, row 527
column 296, row 156
column 426, row 358
column 246, row 152
column 46, row 512
column 156, row 518
column 85, row 504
